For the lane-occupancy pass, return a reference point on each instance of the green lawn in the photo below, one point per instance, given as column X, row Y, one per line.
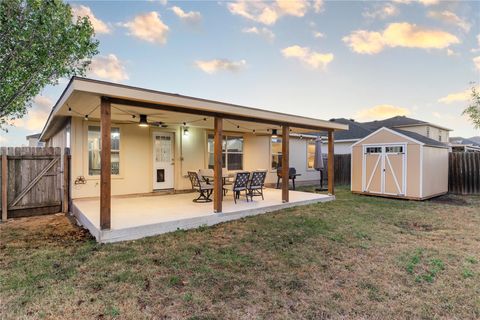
column 355, row 258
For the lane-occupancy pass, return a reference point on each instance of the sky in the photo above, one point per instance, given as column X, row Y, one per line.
column 362, row 60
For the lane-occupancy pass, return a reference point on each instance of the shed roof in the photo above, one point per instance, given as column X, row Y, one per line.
column 415, row 137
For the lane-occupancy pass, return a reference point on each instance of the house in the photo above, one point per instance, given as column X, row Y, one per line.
column 34, row 140
column 128, row 143
column 359, row 130
column 459, row 144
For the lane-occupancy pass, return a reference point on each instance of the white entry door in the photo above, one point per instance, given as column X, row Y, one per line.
column 384, row 169
column 163, row 160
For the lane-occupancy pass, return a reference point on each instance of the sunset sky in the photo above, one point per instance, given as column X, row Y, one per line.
column 355, row 59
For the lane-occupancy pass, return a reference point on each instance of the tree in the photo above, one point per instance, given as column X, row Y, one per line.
column 40, row 43
column 473, row 110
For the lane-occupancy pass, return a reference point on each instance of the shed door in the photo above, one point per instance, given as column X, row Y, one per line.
column 384, row 169
column 394, row 170
column 373, row 167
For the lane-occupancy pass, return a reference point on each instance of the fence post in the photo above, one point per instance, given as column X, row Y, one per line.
column 4, row 185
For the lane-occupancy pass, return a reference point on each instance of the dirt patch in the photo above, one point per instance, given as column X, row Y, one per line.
column 414, row 226
column 450, row 199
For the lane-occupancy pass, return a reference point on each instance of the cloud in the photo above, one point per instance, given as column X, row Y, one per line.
column 476, row 61
column 452, row 53
column 36, row 117
column 314, row 59
column 192, row 17
column 317, row 34
column 457, row 96
column 3, row 140
column 264, row 32
column 108, row 67
column 450, row 18
column 98, row 25
column 215, row 65
column 381, row 111
column 382, row 12
column 269, row 12
column 43, row 102
column 318, row 6
column 399, row 35
column 148, row 27
column 293, row 8
column 424, row 2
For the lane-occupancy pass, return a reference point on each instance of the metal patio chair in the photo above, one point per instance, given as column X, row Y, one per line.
column 239, row 184
column 202, row 187
column 256, row 184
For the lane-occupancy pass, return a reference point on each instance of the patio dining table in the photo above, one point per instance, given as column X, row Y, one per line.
column 225, row 176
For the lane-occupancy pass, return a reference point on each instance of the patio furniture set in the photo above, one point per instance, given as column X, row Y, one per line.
column 251, row 183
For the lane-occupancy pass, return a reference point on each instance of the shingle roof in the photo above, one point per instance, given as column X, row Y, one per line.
column 420, row 138
column 392, row 122
column 34, row 136
column 355, row 130
column 460, row 140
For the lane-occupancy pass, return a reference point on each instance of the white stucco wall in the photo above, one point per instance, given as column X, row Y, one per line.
column 339, row 147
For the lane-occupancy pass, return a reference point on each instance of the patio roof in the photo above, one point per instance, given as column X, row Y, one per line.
column 83, row 96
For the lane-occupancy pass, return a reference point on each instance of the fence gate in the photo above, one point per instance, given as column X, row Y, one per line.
column 33, row 181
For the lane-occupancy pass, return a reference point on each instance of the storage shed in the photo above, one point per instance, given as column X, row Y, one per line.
column 401, row 164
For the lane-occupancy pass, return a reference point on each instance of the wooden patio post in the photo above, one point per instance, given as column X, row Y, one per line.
column 331, row 167
column 106, row 165
column 4, row 185
column 217, row 165
column 285, row 161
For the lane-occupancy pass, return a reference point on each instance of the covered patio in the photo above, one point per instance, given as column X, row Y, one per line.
column 127, row 143
column 134, row 217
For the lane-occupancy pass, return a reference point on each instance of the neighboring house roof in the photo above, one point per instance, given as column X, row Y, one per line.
column 460, row 140
column 420, row 138
column 393, row 122
column 356, row 130
column 359, row 130
column 33, row 136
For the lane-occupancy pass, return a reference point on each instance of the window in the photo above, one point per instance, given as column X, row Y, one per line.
column 232, row 152
column 276, row 152
column 440, row 135
column 94, row 143
column 428, row 132
column 396, row 149
column 310, row 154
column 374, row 150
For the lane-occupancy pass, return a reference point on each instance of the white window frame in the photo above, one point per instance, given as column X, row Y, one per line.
column 225, row 137
column 271, row 153
column 311, row 142
column 120, row 157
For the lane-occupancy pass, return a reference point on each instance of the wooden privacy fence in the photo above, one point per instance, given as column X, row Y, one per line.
column 464, row 172
column 33, row 181
column 342, row 169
